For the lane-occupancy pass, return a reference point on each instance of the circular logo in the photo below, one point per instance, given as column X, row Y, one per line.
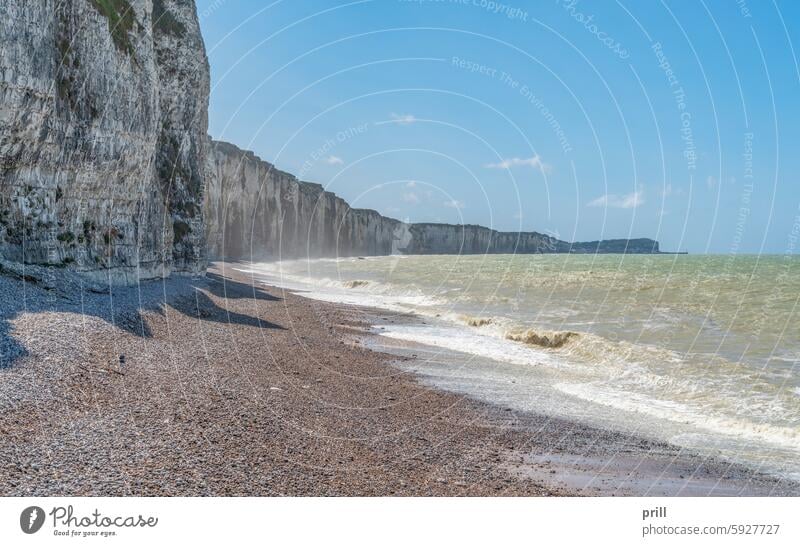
column 31, row 520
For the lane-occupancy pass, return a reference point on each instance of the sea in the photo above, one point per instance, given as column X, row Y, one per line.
column 701, row 352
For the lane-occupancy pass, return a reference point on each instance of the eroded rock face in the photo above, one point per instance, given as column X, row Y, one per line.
column 103, row 121
column 472, row 239
column 256, row 212
column 182, row 146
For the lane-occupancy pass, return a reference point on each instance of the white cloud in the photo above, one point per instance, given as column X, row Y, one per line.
column 535, row 162
column 403, row 119
column 669, row 190
column 334, row 160
column 411, row 197
column 711, row 182
column 627, row 201
column 454, row 204
column 411, row 184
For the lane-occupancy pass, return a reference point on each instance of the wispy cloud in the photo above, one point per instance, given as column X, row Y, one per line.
column 454, row 204
column 711, row 182
column 669, row 190
column 411, row 197
column 403, row 119
column 334, row 160
column 535, row 162
column 411, row 184
column 626, row 201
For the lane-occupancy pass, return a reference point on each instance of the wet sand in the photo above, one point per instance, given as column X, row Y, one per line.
column 231, row 388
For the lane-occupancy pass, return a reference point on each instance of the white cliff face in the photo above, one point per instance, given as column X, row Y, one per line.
column 472, row 239
column 182, row 146
column 254, row 212
column 103, row 119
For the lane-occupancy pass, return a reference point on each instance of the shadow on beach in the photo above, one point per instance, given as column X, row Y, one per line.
column 124, row 307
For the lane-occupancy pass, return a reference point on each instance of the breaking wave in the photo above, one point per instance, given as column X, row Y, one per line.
column 477, row 322
column 548, row 340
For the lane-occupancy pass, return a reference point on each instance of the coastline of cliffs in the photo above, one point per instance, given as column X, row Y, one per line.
column 255, row 212
column 108, row 176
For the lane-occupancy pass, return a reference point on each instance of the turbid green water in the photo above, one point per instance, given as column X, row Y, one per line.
column 701, row 351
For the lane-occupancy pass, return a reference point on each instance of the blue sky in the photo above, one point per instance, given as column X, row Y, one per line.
column 676, row 120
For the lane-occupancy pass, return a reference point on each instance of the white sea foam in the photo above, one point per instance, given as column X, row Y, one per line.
column 784, row 437
column 462, row 340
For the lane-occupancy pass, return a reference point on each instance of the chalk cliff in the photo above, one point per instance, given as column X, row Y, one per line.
column 472, row 239
column 103, row 122
column 256, row 212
